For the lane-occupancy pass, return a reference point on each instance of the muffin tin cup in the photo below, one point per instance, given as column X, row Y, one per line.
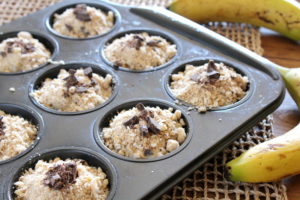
column 151, row 32
column 50, row 19
column 91, row 157
column 53, row 72
column 104, row 122
column 200, row 62
column 46, row 40
column 28, row 114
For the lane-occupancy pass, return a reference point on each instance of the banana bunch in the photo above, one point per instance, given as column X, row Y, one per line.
column 268, row 161
column 282, row 16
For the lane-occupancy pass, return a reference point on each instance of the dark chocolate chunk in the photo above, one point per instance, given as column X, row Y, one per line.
column 136, row 42
column 72, row 71
column 2, row 127
column 61, row 176
column 93, row 82
column 3, row 54
column 212, row 73
column 131, row 122
column 144, row 115
column 153, row 43
column 10, row 44
column 151, row 114
column 71, row 80
column 81, row 89
column 153, row 126
column 88, row 72
column 81, row 13
column 69, row 27
column 144, row 130
column 213, row 76
column 140, row 106
column 211, row 66
column 27, row 48
column 148, row 152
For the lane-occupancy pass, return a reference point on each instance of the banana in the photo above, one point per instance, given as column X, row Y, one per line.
column 282, row 16
column 291, row 78
column 268, row 161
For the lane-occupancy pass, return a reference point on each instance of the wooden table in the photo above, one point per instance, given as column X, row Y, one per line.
column 286, row 53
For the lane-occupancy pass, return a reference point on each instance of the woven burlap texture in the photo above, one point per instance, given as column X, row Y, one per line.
column 207, row 182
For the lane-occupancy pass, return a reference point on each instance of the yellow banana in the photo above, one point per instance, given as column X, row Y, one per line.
column 280, row 15
column 268, row 161
column 291, row 77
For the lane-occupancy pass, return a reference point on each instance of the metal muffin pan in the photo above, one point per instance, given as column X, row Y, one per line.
column 208, row 133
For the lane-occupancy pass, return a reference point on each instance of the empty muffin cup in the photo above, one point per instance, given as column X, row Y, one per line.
column 143, row 130
column 73, row 88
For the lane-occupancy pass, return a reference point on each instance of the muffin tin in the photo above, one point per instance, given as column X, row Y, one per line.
column 76, row 135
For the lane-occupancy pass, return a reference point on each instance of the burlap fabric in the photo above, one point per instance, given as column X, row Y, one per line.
column 208, row 181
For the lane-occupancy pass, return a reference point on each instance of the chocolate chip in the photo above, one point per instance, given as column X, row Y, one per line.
column 144, row 130
column 72, row 71
column 69, row 27
column 27, row 48
column 211, row 66
column 81, row 89
column 153, row 43
column 71, row 80
column 93, row 83
column 148, row 152
column 140, row 106
column 213, row 76
column 131, row 122
column 144, row 115
column 151, row 114
column 153, row 126
column 136, row 42
column 61, row 176
column 81, row 13
column 2, row 127
column 212, row 73
column 3, row 54
column 88, row 72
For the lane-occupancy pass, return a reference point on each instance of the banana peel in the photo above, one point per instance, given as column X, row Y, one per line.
column 269, row 161
column 291, row 77
column 282, row 16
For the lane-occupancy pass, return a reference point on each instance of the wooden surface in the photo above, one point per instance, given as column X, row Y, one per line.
column 286, row 53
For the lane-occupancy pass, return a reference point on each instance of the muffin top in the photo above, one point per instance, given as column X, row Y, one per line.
column 16, row 135
column 74, row 90
column 209, row 86
column 83, row 21
column 145, row 132
column 139, row 51
column 62, row 179
column 22, row 53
